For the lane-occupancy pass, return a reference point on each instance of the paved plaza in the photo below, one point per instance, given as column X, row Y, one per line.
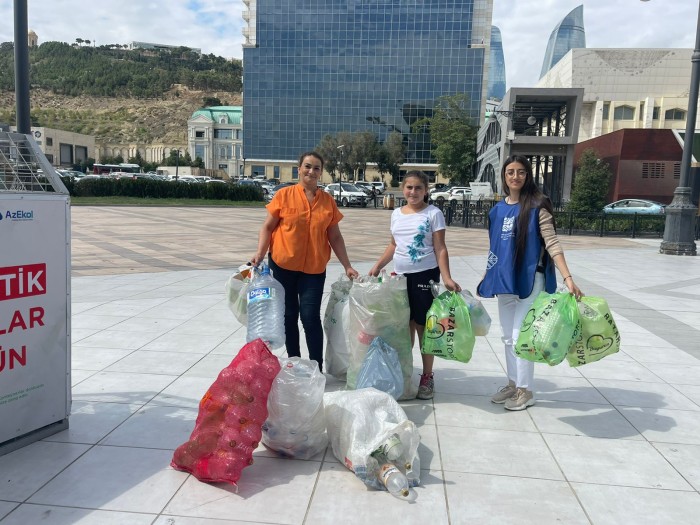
column 613, row 442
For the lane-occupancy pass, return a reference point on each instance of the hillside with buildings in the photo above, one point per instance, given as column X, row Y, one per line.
column 131, row 95
column 118, row 120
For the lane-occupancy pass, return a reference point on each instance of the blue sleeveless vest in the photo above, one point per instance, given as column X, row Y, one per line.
column 502, row 277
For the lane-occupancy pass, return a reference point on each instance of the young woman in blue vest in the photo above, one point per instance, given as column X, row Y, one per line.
column 523, row 252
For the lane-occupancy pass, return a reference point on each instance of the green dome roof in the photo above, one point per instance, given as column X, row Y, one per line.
column 234, row 113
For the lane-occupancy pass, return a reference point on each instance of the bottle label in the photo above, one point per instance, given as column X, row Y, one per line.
column 260, row 294
column 387, row 470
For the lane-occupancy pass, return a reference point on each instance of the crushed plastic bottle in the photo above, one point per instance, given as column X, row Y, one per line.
column 266, row 310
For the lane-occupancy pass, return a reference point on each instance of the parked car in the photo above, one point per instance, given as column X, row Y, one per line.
column 368, row 188
column 274, row 190
column 640, row 206
column 379, row 185
column 348, row 194
column 451, row 194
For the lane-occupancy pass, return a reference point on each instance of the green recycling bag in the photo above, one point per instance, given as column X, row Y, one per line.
column 448, row 329
column 549, row 329
column 599, row 334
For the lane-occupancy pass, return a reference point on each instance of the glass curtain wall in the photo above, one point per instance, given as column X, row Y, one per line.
column 321, row 67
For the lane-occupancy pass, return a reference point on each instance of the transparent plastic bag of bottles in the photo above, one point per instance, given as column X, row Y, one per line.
column 599, row 335
column 236, row 293
column 549, row 329
column 231, row 413
column 380, row 309
column 296, row 424
column 360, row 423
column 336, row 321
column 381, row 369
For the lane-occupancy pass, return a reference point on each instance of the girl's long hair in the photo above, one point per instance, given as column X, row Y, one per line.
column 530, row 197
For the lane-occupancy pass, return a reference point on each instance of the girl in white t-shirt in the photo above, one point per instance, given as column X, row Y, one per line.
column 418, row 249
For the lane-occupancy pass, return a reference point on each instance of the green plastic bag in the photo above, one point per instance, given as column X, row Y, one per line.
column 448, row 329
column 549, row 329
column 599, row 334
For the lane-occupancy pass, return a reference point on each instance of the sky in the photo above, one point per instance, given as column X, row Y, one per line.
column 215, row 26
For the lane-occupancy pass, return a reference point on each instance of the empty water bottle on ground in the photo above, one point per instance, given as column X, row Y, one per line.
column 394, row 480
column 266, row 309
column 392, row 447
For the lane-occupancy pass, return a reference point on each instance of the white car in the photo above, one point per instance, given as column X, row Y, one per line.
column 379, row 186
column 348, row 195
column 452, row 194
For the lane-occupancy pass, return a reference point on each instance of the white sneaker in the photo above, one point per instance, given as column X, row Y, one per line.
column 521, row 400
column 504, row 393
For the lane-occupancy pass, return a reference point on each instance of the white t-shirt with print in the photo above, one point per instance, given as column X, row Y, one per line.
column 413, row 234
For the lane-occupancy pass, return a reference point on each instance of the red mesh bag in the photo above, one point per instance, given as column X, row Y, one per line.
column 231, row 414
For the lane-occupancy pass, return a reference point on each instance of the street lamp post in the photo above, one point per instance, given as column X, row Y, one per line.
column 681, row 214
column 340, row 171
column 177, row 164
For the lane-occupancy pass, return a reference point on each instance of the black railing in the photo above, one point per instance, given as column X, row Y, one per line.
column 474, row 214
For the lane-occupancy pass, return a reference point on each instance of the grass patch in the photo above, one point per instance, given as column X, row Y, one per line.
column 136, row 201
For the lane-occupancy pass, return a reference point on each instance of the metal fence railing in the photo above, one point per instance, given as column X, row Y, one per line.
column 474, row 214
column 24, row 168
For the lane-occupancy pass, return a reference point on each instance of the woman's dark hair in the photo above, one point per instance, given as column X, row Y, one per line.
column 418, row 175
column 311, row 154
column 530, row 197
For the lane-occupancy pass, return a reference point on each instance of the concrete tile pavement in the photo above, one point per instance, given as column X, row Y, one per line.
column 611, row 442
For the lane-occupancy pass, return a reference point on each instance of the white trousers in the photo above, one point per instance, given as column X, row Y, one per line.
column 511, row 312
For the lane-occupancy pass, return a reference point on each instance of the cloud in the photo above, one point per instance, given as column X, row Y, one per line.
column 212, row 26
column 216, row 27
column 526, row 25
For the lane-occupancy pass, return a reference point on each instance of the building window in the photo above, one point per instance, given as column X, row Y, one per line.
column 66, row 152
column 641, row 110
column 223, row 119
column 223, row 167
column 223, row 134
column 81, row 154
column 199, row 134
column 199, row 151
column 606, row 110
column 276, row 172
column 653, row 170
column 675, row 114
column 257, row 171
column 49, row 141
column 624, row 113
column 49, row 158
column 657, row 111
column 295, row 173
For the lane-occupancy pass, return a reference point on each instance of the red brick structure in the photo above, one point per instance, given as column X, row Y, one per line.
column 645, row 163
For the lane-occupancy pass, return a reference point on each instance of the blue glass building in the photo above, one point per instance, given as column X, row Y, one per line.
column 569, row 34
column 317, row 67
column 497, row 67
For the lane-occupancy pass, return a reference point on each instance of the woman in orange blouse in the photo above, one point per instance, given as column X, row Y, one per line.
column 300, row 230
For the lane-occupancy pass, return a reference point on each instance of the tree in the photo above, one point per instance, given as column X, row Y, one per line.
column 364, row 150
column 390, row 155
column 453, row 137
column 591, row 184
column 328, row 149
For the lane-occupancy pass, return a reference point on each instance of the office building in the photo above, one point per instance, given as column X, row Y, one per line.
column 569, row 34
column 497, row 67
column 324, row 66
column 626, row 88
column 214, row 134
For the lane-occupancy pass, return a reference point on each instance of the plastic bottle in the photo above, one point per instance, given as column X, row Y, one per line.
column 413, row 472
column 382, row 276
column 392, row 448
column 394, row 480
column 266, row 310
